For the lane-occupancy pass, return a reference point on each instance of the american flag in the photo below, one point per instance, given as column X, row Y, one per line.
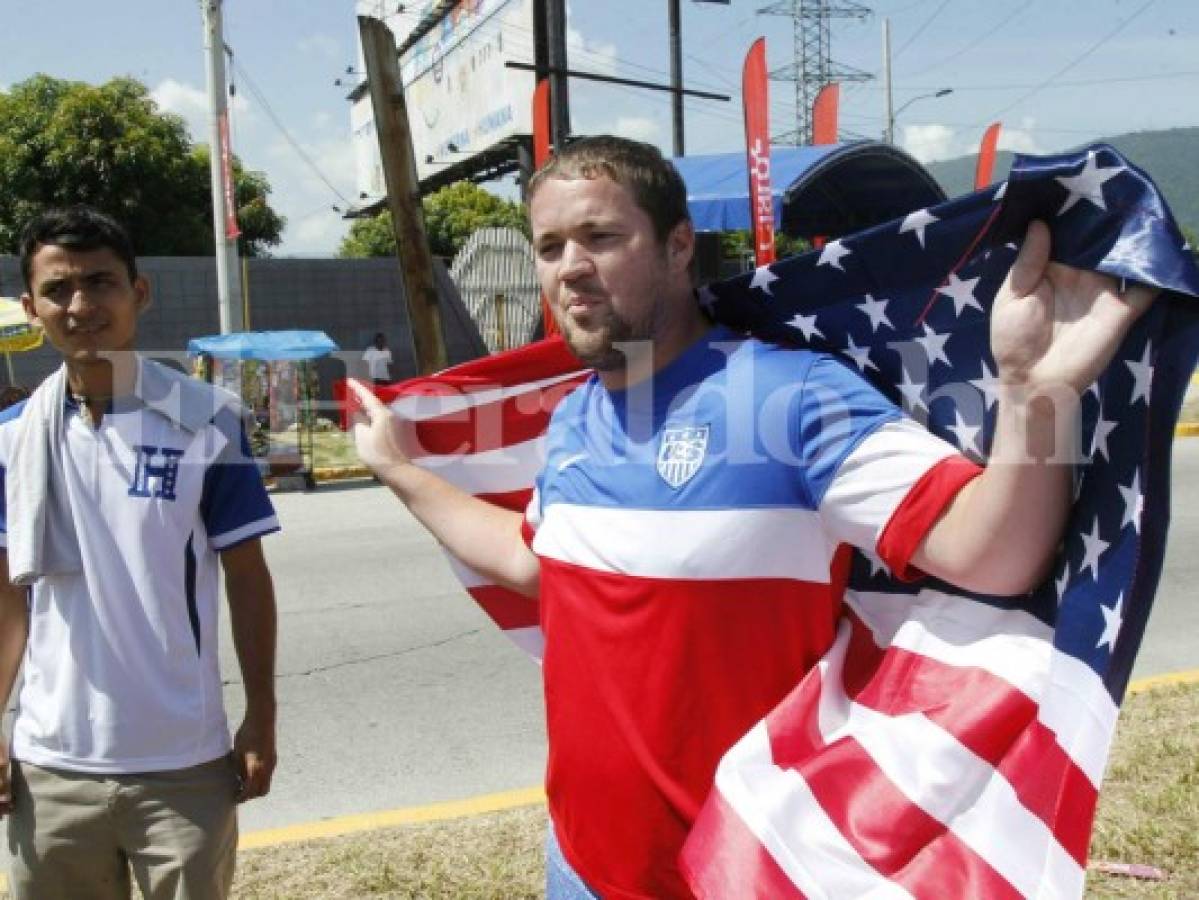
column 949, row 744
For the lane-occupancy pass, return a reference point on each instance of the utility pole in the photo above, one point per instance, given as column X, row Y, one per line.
column 229, row 299
column 889, row 118
column 813, row 67
column 555, row 25
column 403, row 191
column 676, row 78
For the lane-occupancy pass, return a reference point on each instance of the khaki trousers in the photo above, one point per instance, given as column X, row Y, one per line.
column 76, row 836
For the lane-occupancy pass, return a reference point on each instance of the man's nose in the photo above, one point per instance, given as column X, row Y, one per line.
column 81, row 302
column 576, row 262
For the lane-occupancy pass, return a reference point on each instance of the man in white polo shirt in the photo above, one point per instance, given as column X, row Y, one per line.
column 124, row 483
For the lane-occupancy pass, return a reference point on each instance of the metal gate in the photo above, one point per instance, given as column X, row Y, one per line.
column 496, row 277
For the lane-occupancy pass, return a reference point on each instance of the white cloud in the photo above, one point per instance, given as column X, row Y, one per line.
column 298, row 193
column 589, row 56
column 1021, row 139
column 930, row 142
column 191, row 104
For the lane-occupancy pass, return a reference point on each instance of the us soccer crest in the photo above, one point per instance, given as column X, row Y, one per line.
column 681, row 453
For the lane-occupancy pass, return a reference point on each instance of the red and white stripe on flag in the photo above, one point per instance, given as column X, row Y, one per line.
column 826, row 798
column 481, row 426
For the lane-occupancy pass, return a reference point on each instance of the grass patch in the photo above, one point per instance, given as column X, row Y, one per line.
column 334, row 449
column 1149, row 806
column 490, row 856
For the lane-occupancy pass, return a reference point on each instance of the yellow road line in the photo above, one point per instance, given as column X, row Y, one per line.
column 1170, row 678
column 436, row 812
column 1187, row 429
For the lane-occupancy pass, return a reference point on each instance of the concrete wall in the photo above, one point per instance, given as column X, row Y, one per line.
column 348, row 299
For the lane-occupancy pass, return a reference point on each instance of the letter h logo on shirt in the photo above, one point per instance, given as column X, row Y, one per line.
column 167, row 472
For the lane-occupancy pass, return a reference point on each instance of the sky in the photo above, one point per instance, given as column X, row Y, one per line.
column 1057, row 73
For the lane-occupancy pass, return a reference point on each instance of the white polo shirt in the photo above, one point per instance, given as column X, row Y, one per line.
column 121, row 672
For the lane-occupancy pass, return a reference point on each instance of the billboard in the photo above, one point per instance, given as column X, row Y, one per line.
column 461, row 99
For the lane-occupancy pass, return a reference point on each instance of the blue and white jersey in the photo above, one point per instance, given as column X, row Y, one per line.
column 121, row 671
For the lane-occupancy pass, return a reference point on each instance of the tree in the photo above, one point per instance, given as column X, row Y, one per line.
column 452, row 215
column 739, row 245
column 65, row 142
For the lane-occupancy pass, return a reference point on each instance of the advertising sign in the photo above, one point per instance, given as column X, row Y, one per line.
column 461, row 98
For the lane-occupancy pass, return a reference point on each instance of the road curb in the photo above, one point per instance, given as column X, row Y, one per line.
column 340, row 473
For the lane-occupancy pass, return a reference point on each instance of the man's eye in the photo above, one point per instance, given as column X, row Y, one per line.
column 547, row 250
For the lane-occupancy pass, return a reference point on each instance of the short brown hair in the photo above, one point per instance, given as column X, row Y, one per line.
column 639, row 168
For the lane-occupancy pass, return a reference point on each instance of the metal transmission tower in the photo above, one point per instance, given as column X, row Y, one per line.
column 812, row 68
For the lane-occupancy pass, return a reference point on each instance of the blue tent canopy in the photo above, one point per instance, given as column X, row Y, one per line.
column 827, row 190
column 265, row 345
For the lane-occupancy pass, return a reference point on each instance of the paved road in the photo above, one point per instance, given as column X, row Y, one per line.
column 395, row 691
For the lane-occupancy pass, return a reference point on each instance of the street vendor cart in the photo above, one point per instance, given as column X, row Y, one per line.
column 272, row 372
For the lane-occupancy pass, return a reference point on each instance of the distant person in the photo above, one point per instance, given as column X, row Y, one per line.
column 378, row 360
column 124, row 483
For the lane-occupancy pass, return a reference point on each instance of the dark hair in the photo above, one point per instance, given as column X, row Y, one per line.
column 639, row 168
column 75, row 228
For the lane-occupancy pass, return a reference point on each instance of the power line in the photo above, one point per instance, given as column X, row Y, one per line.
column 266, row 107
column 919, row 31
column 1120, row 26
column 1081, row 82
column 1015, row 12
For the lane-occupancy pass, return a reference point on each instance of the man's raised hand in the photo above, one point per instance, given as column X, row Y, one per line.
column 377, row 431
column 1054, row 326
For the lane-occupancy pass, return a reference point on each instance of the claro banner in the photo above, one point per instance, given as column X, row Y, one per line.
column 755, row 99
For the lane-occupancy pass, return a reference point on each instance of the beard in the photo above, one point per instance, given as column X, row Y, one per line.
column 607, row 344
column 606, row 339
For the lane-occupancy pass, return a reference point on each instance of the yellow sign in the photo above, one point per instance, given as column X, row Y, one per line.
column 16, row 334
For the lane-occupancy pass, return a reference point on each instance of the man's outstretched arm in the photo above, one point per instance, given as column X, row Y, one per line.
column 1054, row 329
column 482, row 535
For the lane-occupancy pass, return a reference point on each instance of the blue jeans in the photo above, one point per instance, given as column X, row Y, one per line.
column 561, row 881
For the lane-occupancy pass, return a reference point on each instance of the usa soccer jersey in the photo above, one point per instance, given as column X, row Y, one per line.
column 121, row 672
column 694, row 535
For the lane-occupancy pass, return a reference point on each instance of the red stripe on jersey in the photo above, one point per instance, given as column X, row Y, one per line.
column 664, row 675
column 919, row 510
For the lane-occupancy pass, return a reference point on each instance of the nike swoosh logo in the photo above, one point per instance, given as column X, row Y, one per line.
column 571, row 460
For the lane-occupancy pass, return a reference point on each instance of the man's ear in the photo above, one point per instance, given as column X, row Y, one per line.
column 141, row 291
column 680, row 244
column 30, row 310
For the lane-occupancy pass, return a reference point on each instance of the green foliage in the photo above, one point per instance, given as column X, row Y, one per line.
column 1192, row 239
column 452, row 215
column 65, row 142
column 739, row 245
column 369, row 237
